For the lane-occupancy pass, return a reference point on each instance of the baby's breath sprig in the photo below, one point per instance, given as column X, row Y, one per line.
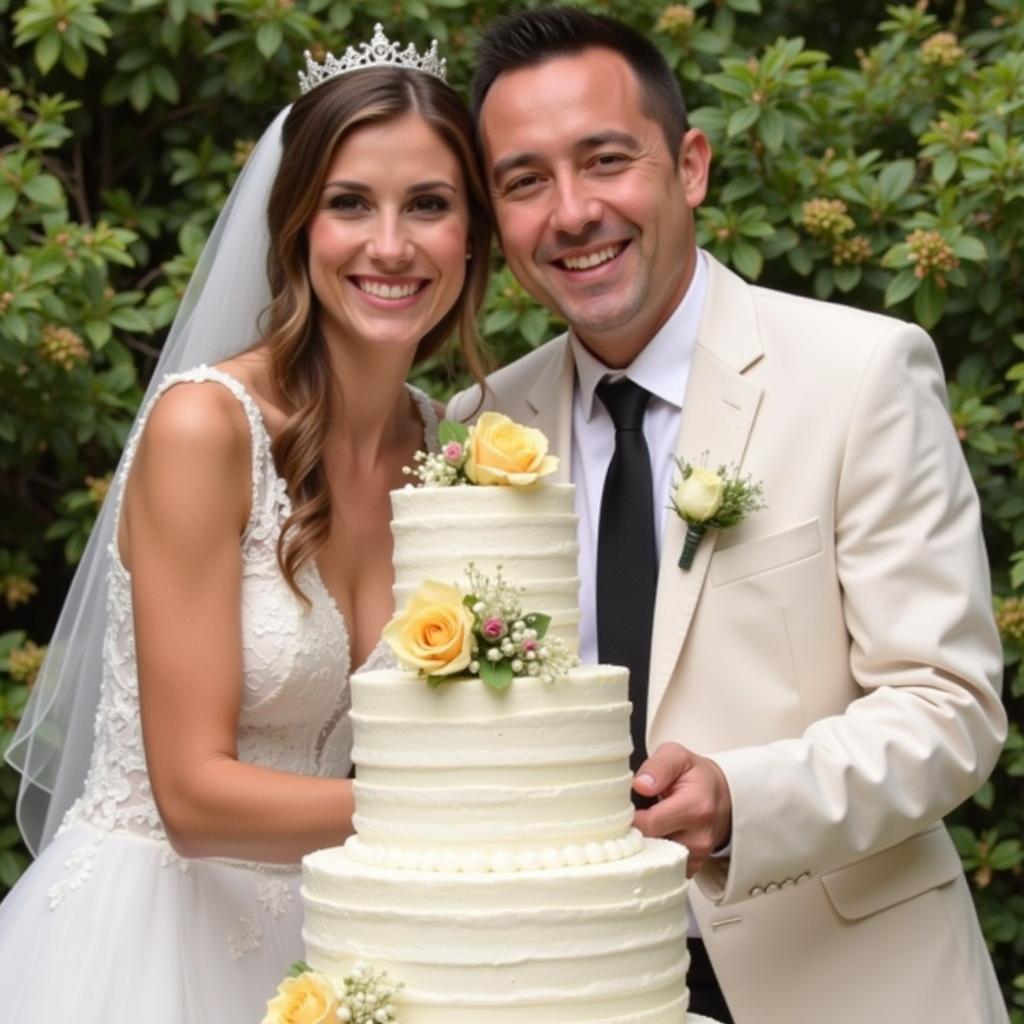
column 366, row 996
column 445, row 468
column 508, row 643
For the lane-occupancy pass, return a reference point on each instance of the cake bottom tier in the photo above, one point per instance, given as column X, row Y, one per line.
column 595, row 944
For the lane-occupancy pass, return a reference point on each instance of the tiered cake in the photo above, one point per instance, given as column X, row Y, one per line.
column 495, row 873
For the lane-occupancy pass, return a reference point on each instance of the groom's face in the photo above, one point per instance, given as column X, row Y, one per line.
column 594, row 211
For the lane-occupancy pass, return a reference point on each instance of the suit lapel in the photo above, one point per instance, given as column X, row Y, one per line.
column 718, row 415
column 550, row 399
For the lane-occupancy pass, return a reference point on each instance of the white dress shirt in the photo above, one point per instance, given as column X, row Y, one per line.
column 663, row 368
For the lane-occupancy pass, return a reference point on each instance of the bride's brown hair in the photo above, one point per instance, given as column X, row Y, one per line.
column 300, row 369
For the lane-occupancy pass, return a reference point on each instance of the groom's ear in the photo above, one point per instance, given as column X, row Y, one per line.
column 694, row 166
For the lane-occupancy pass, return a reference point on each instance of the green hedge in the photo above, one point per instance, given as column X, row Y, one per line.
column 890, row 176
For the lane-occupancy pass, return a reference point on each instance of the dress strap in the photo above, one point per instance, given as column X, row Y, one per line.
column 257, row 429
column 425, row 407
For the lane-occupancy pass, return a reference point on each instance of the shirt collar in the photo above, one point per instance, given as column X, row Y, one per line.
column 663, row 365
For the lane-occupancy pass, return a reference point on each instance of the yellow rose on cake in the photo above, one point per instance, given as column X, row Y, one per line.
column 308, row 998
column 434, row 632
column 501, row 451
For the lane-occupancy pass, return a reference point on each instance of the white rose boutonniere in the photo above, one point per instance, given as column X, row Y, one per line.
column 711, row 499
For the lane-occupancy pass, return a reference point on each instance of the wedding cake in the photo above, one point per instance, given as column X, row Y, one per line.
column 494, row 872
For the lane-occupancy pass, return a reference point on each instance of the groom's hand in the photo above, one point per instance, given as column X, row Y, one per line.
column 694, row 807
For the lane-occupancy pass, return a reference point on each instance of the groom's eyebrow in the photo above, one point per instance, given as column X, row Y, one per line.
column 610, row 137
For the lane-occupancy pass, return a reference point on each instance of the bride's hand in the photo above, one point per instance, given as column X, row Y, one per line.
column 694, row 806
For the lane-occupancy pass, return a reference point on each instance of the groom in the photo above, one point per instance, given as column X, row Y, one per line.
column 822, row 685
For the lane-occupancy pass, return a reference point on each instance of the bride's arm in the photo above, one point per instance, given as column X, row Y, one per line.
column 186, row 505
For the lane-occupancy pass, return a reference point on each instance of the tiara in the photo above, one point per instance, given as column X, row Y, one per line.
column 378, row 52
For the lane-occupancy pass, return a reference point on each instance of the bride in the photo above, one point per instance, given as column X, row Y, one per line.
column 246, row 559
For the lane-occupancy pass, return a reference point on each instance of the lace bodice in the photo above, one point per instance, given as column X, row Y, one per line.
column 296, row 660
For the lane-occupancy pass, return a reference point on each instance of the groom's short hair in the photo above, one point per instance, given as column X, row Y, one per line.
column 526, row 38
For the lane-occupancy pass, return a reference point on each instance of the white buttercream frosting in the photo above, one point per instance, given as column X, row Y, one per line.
column 530, row 532
column 595, row 943
column 466, row 773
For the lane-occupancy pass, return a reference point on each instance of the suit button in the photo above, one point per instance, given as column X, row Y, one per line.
column 758, row 890
column 772, row 887
column 788, row 883
column 803, row 877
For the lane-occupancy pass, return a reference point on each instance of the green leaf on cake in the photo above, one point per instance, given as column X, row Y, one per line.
column 450, row 430
column 496, row 674
column 538, row 622
column 297, row 968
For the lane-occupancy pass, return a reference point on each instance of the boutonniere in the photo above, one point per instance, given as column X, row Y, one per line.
column 711, row 499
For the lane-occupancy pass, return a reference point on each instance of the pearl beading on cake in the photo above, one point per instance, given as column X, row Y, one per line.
column 502, row 861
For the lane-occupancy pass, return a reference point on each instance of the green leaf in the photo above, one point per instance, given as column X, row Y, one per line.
column 944, row 167
column 165, row 84
column 9, row 836
column 800, row 261
column 499, row 319
column 45, row 190
column 297, row 968
column 98, row 332
column 496, row 674
column 985, row 797
column 140, row 92
column 972, row 249
column 12, row 866
column 846, row 278
column 772, row 129
column 929, row 303
column 989, row 295
column 8, row 200
column 74, row 59
column 894, row 180
column 740, row 188
column 901, row 287
column 747, row 259
column 131, row 320
column 743, row 119
column 449, row 431
column 1006, row 855
column 539, row 622
column 730, row 84
column 269, row 38
column 47, row 51
column 745, row 6
column 534, row 326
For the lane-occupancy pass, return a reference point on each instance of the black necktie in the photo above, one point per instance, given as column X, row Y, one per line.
column 627, row 560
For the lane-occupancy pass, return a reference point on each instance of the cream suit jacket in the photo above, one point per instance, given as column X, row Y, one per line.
column 835, row 653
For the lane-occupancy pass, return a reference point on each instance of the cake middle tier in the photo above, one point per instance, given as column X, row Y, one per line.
column 537, row 773
column 529, row 532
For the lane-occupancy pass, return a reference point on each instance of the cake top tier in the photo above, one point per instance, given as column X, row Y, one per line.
column 529, row 533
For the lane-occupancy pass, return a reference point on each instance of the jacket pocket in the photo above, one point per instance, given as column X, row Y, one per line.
column 920, row 863
column 764, row 553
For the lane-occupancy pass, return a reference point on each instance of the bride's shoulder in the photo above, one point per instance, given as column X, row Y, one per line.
column 197, row 417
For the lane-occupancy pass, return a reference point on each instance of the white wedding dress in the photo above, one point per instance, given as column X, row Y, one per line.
column 110, row 925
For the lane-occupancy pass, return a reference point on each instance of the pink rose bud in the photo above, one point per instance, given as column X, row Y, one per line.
column 453, row 451
column 493, row 628
column 530, row 645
